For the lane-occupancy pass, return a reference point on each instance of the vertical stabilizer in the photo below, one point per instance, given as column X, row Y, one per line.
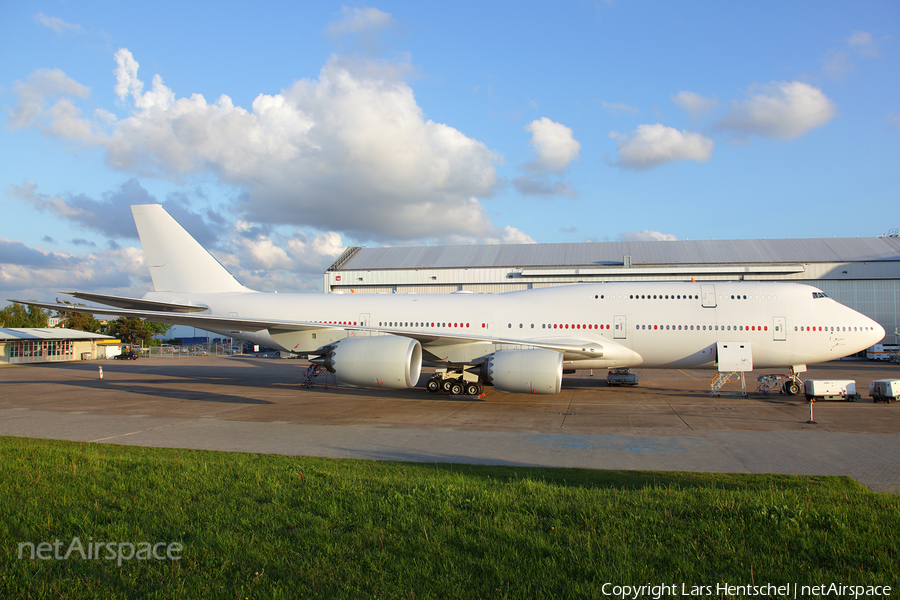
column 177, row 262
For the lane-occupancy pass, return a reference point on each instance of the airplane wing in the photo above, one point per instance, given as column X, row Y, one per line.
column 586, row 348
column 178, row 314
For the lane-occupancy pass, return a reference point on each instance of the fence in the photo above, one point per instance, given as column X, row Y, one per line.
column 192, row 350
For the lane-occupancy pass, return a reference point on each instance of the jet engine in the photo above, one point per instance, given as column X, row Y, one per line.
column 534, row 371
column 383, row 361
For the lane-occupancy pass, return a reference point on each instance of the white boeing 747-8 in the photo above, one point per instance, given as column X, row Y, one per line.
column 516, row 341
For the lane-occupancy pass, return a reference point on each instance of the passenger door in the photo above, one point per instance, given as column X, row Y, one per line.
column 708, row 293
column 779, row 330
column 621, row 324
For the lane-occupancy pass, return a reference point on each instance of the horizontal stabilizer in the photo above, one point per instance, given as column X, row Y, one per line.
column 190, row 320
column 138, row 303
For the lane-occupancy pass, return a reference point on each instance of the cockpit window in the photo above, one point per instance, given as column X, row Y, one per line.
column 819, row 295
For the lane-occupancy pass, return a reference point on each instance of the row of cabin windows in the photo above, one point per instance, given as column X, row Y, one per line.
column 692, row 297
column 418, row 324
column 703, row 327
column 829, row 329
column 651, row 297
column 744, row 328
column 563, row 326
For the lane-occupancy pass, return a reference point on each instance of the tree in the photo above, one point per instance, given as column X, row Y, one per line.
column 78, row 321
column 81, row 322
column 131, row 330
column 159, row 328
column 17, row 315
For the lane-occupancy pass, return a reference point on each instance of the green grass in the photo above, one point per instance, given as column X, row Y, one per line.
column 290, row 527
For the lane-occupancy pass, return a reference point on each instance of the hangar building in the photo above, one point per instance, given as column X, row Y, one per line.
column 862, row 273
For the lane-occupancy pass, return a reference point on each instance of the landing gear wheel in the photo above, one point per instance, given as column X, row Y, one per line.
column 793, row 388
column 472, row 389
column 445, row 385
column 456, row 388
column 433, row 385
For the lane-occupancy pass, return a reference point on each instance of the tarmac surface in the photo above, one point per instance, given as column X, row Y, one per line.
column 667, row 423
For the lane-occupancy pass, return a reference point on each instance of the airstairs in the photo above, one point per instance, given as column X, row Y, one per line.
column 308, row 378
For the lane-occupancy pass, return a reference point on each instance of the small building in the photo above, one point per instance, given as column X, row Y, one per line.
column 110, row 348
column 35, row 345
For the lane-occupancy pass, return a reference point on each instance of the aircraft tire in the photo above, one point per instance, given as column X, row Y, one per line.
column 456, row 388
column 445, row 385
column 433, row 385
column 792, row 388
column 472, row 389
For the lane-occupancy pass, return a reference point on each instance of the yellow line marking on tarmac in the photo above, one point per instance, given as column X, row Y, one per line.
column 689, row 375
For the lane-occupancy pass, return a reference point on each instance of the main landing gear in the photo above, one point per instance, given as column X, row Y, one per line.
column 456, row 382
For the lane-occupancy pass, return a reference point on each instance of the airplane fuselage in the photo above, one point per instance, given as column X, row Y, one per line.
column 656, row 325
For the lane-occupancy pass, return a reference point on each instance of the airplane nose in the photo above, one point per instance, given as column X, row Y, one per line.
column 877, row 333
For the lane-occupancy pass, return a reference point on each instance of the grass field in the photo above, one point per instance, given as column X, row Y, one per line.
column 261, row 526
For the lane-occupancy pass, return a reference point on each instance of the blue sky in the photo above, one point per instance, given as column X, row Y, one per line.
column 281, row 135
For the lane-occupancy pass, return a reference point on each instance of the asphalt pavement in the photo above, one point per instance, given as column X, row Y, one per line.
column 257, row 404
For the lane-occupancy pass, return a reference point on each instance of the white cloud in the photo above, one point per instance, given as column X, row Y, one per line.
column 783, row 109
column 127, row 82
column 863, row 43
column 324, row 245
column 652, row 145
column 618, row 108
column 274, row 261
column 555, row 145
column 838, row 62
column 350, row 151
column 37, row 274
column 511, row 235
column 696, row 105
column 358, row 20
column 32, row 97
column 55, row 23
column 646, row 235
column 264, row 254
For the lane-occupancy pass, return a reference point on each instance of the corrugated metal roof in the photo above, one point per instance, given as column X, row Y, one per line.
column 642, row 253
column 48, row 333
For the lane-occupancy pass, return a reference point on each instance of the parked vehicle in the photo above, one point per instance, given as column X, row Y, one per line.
column 886, row 390
column 128, row 356
column 830, row 389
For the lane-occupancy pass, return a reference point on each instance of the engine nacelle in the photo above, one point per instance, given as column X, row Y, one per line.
column 383, row 361
column 535, row 371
